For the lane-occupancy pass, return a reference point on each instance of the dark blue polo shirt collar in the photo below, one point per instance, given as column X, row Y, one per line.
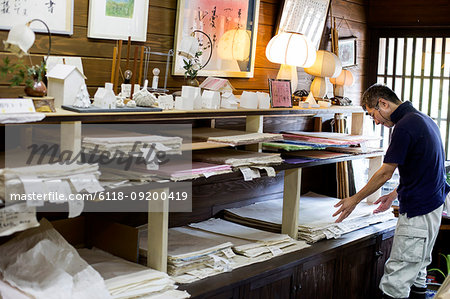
column 401, row 111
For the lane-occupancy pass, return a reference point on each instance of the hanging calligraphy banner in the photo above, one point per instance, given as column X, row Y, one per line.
column 57, row 14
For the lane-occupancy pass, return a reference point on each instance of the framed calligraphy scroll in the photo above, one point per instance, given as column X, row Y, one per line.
column 232, row 27
column 305, row 16
column 57, row 14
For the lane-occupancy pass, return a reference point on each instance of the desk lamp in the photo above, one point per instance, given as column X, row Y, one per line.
column 326, row 64
column 290, row 49
column 189, row 46
column 21, row 38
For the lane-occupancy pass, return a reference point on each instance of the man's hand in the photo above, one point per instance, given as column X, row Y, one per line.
column 347, row 205
column 386, row 202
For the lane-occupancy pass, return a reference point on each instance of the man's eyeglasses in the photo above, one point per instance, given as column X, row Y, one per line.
column 377, row 107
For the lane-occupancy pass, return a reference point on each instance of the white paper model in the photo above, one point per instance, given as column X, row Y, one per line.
column 263, row 100
column 198, row 102
column 82, row 100
column 178, row 103
column 190, row 91
column 98, row 96
column 311, row 101
column 64, row 82
column 217, row 84
column 324, row 104
column 131, row 104
column 229, row 101
column 107, row 98
column 249, row 100
column 143, row 97
column 165, row 102
column 211, row 99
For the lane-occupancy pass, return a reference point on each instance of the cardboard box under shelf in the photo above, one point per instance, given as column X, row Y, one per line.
column 115, row 238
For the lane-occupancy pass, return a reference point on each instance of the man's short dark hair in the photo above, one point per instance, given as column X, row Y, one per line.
column 375, row 92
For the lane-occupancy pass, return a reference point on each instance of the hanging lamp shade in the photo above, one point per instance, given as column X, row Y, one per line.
column 326, row 64
column 188, row 47
column 319, row 87
column 345, row 78
column 291, row 48
column 234, row 45
column 20, row 39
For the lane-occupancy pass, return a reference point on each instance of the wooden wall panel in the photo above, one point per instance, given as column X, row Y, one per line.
column 407, row 13
column 351, row 20
column 97, row 53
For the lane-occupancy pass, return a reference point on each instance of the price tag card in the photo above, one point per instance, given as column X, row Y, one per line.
column 16, row 106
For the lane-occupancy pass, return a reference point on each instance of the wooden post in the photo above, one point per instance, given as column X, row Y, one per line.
column 374, row 164
column 133, row 77
column 291, row 202
column 158, row 230
column 128, row 52
column 116, row 78
column 357, row 123
column 70, row 138
column 342, row 167
column 317, row 124
column 113, row 69
column 254, row 123
column 141, row 65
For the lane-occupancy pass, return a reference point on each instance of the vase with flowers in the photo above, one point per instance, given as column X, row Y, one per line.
column 32, row 76
column 192, row 66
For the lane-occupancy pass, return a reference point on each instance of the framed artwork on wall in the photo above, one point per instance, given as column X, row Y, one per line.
column 305, row 16
column 57, row 14
column 347, row 51
column 231, row 26
column 118, row 19
column 280, row 93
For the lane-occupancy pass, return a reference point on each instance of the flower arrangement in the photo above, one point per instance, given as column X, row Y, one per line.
column 192, row 66
column 22, row 73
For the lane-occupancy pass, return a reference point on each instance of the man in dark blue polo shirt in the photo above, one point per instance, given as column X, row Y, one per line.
column 416, row 149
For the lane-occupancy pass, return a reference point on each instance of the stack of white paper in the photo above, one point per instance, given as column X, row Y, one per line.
column 215, row 246
column 129, row 280
column 110, row 141
column 258, row 241
column 41, row 264
column 236, row 158
column 315, row 221
column 233, row 137
column 45, row 178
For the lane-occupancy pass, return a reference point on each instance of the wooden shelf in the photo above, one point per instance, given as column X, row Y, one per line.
column 64, row 115
column 71, row 127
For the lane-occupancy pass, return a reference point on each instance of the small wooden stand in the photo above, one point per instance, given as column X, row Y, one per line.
column 43, row 104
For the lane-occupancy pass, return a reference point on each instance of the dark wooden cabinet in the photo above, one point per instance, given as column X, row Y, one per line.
column 356, row 267
column 275, row 286
column 316, row 278
column 349, row 267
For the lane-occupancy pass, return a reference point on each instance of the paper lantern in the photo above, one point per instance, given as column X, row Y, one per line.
column 326, row 64
column 291, row 48
column 234, row 45
column 344, row 79
column 319, row 87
